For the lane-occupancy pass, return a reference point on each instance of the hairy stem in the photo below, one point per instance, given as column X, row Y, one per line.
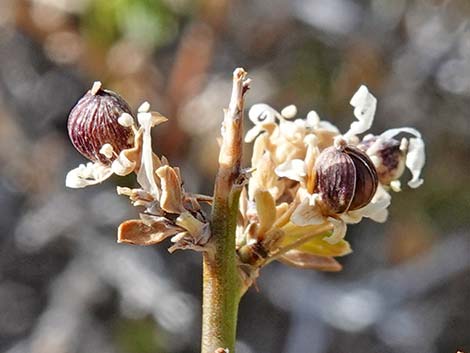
column 221, row 281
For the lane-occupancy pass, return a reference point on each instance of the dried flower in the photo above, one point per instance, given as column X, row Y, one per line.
column 169, row 211
column 307, row 181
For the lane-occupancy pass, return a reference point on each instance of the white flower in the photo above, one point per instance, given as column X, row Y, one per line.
column 376, row 209
column 294, row 169
column 146, row 173
column 292, row 132
column 364, row 105
column 89, row 174
column 289, row 112
column 310, row 136
column 339, row 230
column 415, row 155
column 308, row 212
column 95, row 173
column 261, row 115
column 126, row 120
column 314, row 123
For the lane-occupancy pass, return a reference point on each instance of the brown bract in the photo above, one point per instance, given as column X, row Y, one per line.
column 137, row 232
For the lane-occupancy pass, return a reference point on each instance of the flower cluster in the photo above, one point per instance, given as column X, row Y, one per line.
column 309, row 181
column 100, row 126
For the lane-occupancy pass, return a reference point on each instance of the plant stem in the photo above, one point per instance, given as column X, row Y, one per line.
column 221, row 281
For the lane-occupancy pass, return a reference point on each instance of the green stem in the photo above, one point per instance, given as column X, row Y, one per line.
column 221, row 281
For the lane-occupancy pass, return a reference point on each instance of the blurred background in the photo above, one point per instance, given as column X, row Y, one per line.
column 66, row 286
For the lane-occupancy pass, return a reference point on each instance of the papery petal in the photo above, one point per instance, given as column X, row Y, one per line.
column 253, row 133
column 288, row 149
column 380, row 215
column 292, row 131
column 317, row 244
column 185, row 241
column 294, row 169
column 126, row 120
column 136, row 232
column 311, row 155
column 302, row 123
column 259, row 148
column 375, row 210
column 283, row 213
column 339, row 230
column 281, row 210
column 292, row 232
column 122, row 165
column 314, row 122
column 195, row 227
column 243, row 209
column 321, row 247
column 364, row 105
column 171, row 197
column 391, row 133
column 314, row 198
column 107, row 150
column 415, row 159
column 146, row 175
column 327, row 126
column 304, row 260
column 262, row 113
column 352, row 217
column 289, row 112
column 266, row 210
column 86, row 175
column 138, row 197
column 265, row 178
column 395, row 185
column 313, row 234
column 307, row 214
column 144, row 107
column 158, row 118
column 129, row 159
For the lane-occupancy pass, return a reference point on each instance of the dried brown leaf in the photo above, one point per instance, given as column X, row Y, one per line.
column 136, row 232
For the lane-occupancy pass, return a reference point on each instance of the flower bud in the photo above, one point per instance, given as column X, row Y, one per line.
column 346, row 179
column 93, row 123
column 388, row 156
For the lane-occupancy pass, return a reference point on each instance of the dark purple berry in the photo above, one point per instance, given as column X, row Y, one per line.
column 93, row 122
